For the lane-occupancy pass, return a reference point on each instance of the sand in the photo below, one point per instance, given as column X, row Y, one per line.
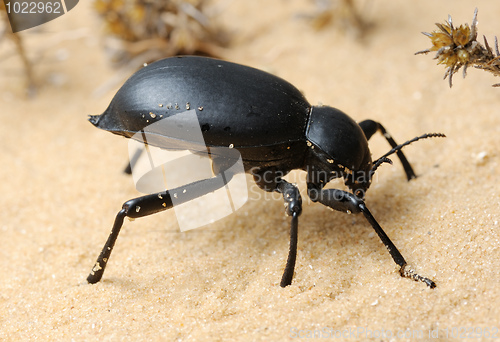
column 62, row 184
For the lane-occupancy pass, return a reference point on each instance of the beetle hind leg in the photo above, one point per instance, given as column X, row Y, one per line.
column 151, row 204
column 369, row 127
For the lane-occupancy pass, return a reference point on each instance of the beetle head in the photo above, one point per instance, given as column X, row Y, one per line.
column 340, row 148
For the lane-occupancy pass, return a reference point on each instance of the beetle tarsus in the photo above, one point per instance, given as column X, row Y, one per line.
column 407, row 272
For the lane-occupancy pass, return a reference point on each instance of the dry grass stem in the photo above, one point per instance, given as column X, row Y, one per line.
column 343, row 13
column 140, row 31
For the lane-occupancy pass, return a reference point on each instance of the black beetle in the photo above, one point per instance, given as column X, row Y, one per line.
column 270, row 123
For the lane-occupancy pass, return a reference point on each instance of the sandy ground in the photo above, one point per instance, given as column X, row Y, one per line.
column 61, row 186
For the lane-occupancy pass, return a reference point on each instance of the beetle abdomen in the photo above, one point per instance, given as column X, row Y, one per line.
column 236, row 105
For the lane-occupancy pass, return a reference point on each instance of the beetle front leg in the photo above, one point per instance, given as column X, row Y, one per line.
column 270, row 180
column 346, row 202
column 151, row 204
column 369, row 127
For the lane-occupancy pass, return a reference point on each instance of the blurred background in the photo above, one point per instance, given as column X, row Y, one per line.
column 62, row 180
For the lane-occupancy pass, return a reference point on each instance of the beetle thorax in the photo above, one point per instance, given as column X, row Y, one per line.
column 338, row 148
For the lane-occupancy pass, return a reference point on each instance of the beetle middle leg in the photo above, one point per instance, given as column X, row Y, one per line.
column 369, row 127
column 347, row 202
column 151, row 204
column 293, row 208
column 133, row 161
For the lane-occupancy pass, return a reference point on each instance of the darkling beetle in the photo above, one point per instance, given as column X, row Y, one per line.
column 270, row 123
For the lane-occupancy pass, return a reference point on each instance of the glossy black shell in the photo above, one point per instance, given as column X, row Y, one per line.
column 262, row 116
column 265, row 118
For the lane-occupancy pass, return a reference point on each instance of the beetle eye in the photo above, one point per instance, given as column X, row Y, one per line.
column 359, row 193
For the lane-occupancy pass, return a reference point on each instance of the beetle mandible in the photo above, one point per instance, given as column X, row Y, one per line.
column 274, row 128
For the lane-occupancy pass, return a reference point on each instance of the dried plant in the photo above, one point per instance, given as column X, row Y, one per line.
column 140, row 31
column 458, row 47
column 6, row 32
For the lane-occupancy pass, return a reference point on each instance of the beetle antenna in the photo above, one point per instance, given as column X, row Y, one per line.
column 384, row 158
column 379, row 162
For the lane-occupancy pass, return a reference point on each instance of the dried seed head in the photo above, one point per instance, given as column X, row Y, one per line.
column 458, row 47
column 156, row 28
